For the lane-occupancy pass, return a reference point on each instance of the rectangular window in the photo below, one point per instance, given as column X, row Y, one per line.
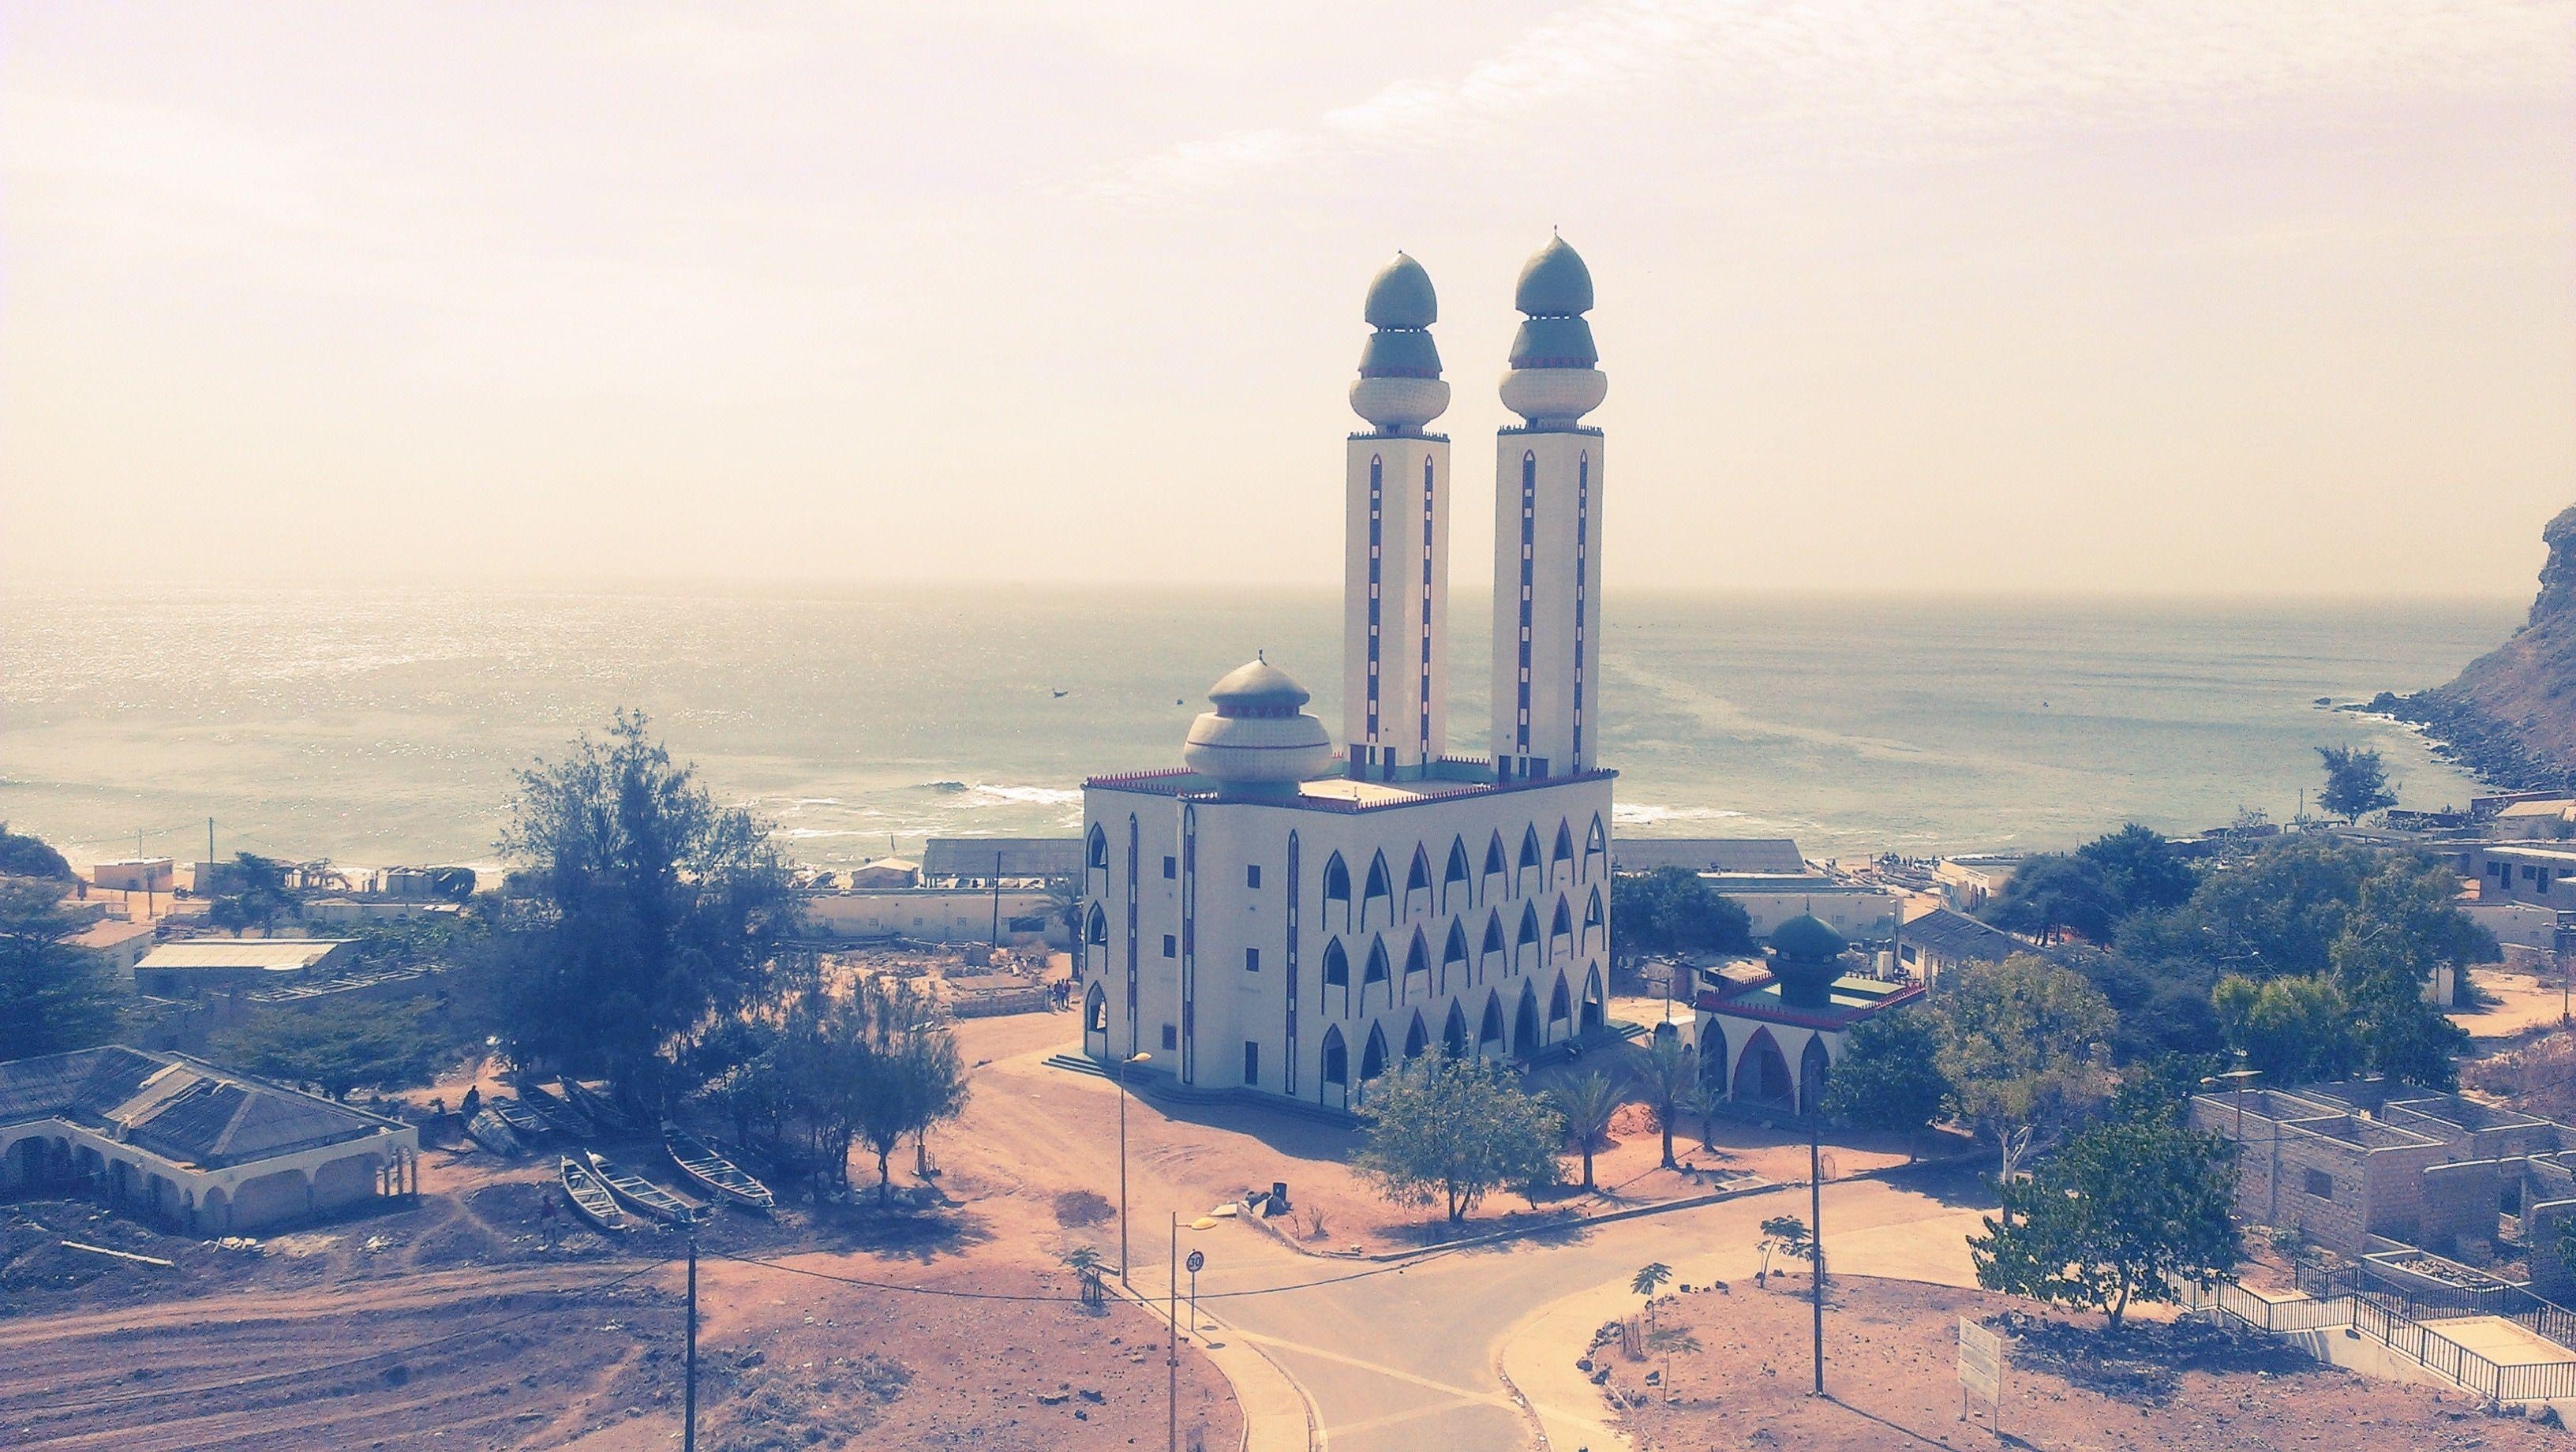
column 1252, row 875
column 1252, row 960
column 1171, row 946
column 1251, row 1062
column 1171, row 867
column 1171, row 1037
column 2320, row 1184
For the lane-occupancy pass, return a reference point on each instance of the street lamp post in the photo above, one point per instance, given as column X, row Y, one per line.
column 1816, row 1216
column 1122, row 1165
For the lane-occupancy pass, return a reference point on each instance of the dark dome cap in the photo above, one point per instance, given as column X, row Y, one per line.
column 1401, row 296
column 1257, row 682
column 1805, row 939
column 1554, row 283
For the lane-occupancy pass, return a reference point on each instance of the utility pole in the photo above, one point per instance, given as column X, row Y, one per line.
column 1816, row 1217
column 689, row 1395
column 210, row 844
column 997, row 899
column 1172, row 1333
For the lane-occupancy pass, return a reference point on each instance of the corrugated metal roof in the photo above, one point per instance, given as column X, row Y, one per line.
column 180, row 1108
column 1707, row 854
column 274, row 955
column 976, row 857
column 1961, row 938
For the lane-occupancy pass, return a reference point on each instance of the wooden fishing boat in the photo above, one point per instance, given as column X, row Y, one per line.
column 713, row 1173
column 640, row 1192
column 590, row 1197
column 487, row 1130
column 522, row 1120
column 597, row 1108
column 559, row 1116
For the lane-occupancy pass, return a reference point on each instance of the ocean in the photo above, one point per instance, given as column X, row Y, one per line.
column 377, row 727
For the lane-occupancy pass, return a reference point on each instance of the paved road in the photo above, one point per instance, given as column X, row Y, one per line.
column 1404, row 1360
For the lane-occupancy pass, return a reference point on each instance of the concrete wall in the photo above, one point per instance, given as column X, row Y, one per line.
column 930, row 914
column 2458, row 1212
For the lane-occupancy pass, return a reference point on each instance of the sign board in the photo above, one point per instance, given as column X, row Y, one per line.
column 1981, row 1363
column 1197, row 1261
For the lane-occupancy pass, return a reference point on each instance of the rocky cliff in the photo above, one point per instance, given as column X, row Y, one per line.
column 2511, row 716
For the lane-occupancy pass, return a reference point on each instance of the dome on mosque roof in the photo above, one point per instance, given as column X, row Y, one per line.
column 1258, row 683
column 1803, row 939
column 1554, row 283
column 1401, row 296
column 1399, row 355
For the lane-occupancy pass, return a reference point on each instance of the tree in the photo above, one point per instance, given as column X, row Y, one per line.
column 255, row 894
column 2356, row 782
column 1889, row 1077
column 2141, row 868
column 55, row 996
column 337, row 1047
column 2277, row 912
column 2113, row 1217
column 649, row 910
column 2055, row 891
column 1451, row 1131
column 1064, row 903
column 1672, row 1073
column 1783, row 1235
column 25, row 856
column 1587, row 1106
column 2292, row 1029
column 1649, row 1279
column 1673, row 910
column 2022, row 1043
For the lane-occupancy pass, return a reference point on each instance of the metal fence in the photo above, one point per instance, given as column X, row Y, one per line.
column 2396, row 1321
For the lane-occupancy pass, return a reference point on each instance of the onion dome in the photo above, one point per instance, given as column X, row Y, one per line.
column 1554, row 379
column 1399, row 388
column 1401, row 296
column 1259, row 741
column 1806, row 956
column 1554, row 283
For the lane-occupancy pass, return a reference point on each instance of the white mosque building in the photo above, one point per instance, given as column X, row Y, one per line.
column 1273, row 917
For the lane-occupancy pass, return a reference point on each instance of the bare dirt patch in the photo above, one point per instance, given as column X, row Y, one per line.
column 1891, row 1349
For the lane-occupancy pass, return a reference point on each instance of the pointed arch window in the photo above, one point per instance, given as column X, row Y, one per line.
column 1525, row 873
column 1559, row 1003
column 1458, row 878
column 1373, row 1060
column 1560, row 927
column 1417, row 878
column 1496, row 865
column 1596, row 843
column 1564, row 846
column 1376, row 972
column 1417, row 1039
column 1489, row 1030
column 1337, row 1059
column 1493, row 935
column 1095, row 851
column 1337, row 887
column 1379, row 888
column 1453, row 1034
column 1592, row 920
column 1454, row 954
column 1528, row 939
column 1417, row 959
column 1337, row 965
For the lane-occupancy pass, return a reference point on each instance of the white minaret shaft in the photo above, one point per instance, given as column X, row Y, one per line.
column 1547, row 530
column 1395, row 623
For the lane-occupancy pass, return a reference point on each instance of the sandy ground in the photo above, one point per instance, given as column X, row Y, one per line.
column 1891, row 1367
column 2523, row 1003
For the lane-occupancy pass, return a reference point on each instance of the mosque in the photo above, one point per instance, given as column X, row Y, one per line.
column 1276, row 917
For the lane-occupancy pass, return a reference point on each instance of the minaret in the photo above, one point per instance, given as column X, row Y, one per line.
column 1395, row 591
column 1547, row 529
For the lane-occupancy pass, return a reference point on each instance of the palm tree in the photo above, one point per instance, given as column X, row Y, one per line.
column 1672, row 1073
column 1703, row 1101
column 1650, row 1279
column 1668, row 1341
column 1064, row 904
column 1588, row 1105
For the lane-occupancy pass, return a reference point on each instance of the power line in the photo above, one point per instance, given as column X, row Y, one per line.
column 956, row 1295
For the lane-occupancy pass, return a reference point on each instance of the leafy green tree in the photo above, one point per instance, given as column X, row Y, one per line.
column 2053, row 892
column 2356, row 782
column 1889, row 1077
column 2106, row 1221
column 1587, row 1105
column 338, row 1047
column 1450, row 1131
column 25, row 856
column 2142, row 869
column 2274, row 914
column 648, row 910
column 1673, row 910
column 2292, row 1029
column 2022, row 1045
column 910, row 1075
column 255, row 894
column 1671, row 1074
column 2163, row 1007
column 55, row 995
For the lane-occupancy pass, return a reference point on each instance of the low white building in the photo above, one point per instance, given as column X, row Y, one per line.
column 1012, row 916
column 120, row 943
column 195, row 966
column 136, row 874
column 1770, row 899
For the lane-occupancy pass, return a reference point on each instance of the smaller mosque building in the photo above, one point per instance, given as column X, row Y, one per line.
column 1766, row 1041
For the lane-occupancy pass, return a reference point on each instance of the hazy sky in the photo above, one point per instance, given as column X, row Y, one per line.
column 2198, row 295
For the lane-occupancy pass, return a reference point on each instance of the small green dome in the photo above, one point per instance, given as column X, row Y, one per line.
column 1401, row 296
column 1554, row 284
column 1554, row 343
column 1399, row 355
column 1805, row 940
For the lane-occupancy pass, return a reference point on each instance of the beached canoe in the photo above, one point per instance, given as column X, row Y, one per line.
column 487, row 1130
column 559, row 1116
column 590, row 1197
column 713, row 1173
column 640, row 1192
column 522, row 1120
column 597, row 1107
